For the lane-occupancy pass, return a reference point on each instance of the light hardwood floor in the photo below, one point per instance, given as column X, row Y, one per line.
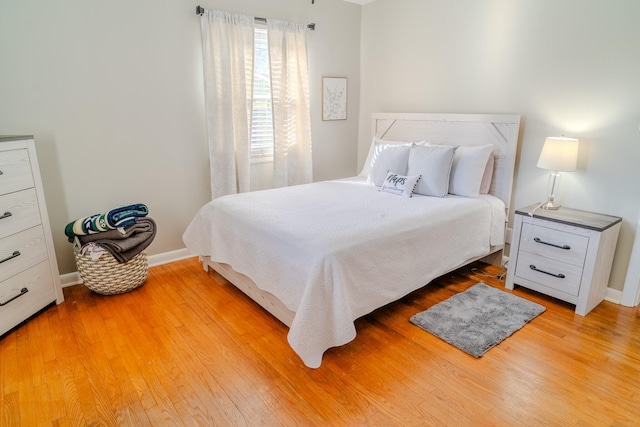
column 187, row 348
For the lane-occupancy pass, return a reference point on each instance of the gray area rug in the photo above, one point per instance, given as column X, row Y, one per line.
column 477, row 319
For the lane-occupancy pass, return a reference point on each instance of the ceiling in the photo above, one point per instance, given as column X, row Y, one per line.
column 360, row 1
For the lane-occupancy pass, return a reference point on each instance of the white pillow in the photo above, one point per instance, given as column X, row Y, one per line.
column 388, row 157
column 485, row 185
column 433, row 162
column 469, row 164
column 366, row 168
column 399, row 184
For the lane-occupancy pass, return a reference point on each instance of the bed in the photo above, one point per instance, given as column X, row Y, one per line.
column 319, row 256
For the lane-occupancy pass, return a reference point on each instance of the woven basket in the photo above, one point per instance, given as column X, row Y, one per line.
column 107, row 276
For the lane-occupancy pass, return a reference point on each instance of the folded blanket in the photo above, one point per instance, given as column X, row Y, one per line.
column 118, row 217
column 126, row 244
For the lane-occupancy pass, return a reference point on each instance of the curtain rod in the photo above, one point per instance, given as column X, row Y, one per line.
column 200, row 11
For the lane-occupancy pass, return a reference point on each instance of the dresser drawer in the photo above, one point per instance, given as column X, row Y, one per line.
column 548, row 272
column 18, row 211
column 15, row 171
column 564, row 246
column 21, row 251
column 40, row 292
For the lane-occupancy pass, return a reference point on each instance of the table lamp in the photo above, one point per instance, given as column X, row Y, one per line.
column 559, row 154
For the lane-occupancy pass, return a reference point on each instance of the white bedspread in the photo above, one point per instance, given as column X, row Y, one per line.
column 334, row 251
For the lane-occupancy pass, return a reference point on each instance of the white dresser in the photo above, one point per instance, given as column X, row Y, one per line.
column 565, row 253
column 29, row 277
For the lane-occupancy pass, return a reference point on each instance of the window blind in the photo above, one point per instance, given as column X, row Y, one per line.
column 262, row 112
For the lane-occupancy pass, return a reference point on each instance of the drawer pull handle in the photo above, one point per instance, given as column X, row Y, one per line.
column 538, row 240
column 559, row 275
column 6, row 215
column 13, row 255
column 22, row 292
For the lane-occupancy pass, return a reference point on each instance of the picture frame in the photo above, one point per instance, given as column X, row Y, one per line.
column 334, row 98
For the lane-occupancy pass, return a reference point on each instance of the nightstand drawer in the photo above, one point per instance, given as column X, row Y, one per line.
column 18, row 304
column 548, row 272
column 20, row 251
column 18, row 211
column 16, row 171
column 540, row 239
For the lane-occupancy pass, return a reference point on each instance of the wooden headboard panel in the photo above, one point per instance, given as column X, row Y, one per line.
column 501, row 130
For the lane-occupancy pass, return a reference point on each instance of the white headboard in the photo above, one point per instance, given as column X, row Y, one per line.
column 501, row 130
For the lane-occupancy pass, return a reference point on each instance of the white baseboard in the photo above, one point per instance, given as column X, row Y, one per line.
column 71, row 279
column 167, row 257
column 613, row 295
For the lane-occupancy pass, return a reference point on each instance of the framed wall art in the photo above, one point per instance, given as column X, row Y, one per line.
column 334, row 98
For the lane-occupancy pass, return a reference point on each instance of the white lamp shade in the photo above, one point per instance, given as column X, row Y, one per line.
column 559, row 154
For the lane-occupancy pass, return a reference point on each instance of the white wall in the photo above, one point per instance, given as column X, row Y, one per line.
column 631, row 294
column 568, row 67
column 113, row 93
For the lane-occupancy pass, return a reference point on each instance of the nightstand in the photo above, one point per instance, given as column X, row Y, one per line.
column 565, row 253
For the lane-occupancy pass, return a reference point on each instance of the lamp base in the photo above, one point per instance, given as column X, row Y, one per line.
column 552, row 186
column 549, row 205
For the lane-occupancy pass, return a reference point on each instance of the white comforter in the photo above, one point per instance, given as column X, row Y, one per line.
column 334, row 251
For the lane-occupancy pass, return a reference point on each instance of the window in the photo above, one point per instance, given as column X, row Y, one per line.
column 262, row 113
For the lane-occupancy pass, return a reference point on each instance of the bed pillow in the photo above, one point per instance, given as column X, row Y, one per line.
column 485, row 185
column 399, row 184
column 366, row 169
column 433, row 163
column 468, row 167
column 388, row 158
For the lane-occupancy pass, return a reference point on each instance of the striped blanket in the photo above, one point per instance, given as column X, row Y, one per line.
column 122, row 216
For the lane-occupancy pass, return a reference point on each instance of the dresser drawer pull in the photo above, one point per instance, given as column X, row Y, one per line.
column 6, row 215
column 22, row 292
column 13, row 255
column 538, row 240
column 559, row 275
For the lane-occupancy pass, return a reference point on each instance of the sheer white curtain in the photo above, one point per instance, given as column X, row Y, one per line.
column 290, row 93
column 227, row 50
column 227, row 47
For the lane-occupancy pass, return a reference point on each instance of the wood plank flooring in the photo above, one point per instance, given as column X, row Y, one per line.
column 187, row 348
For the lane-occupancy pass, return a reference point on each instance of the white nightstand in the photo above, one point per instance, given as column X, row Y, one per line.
column 566, row 253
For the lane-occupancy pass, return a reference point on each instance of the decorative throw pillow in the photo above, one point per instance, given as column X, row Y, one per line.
column 468, row 167
column 399, row 184
column 485, row 185
column 366, row 169
column 433, row 163
column 388, row 157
